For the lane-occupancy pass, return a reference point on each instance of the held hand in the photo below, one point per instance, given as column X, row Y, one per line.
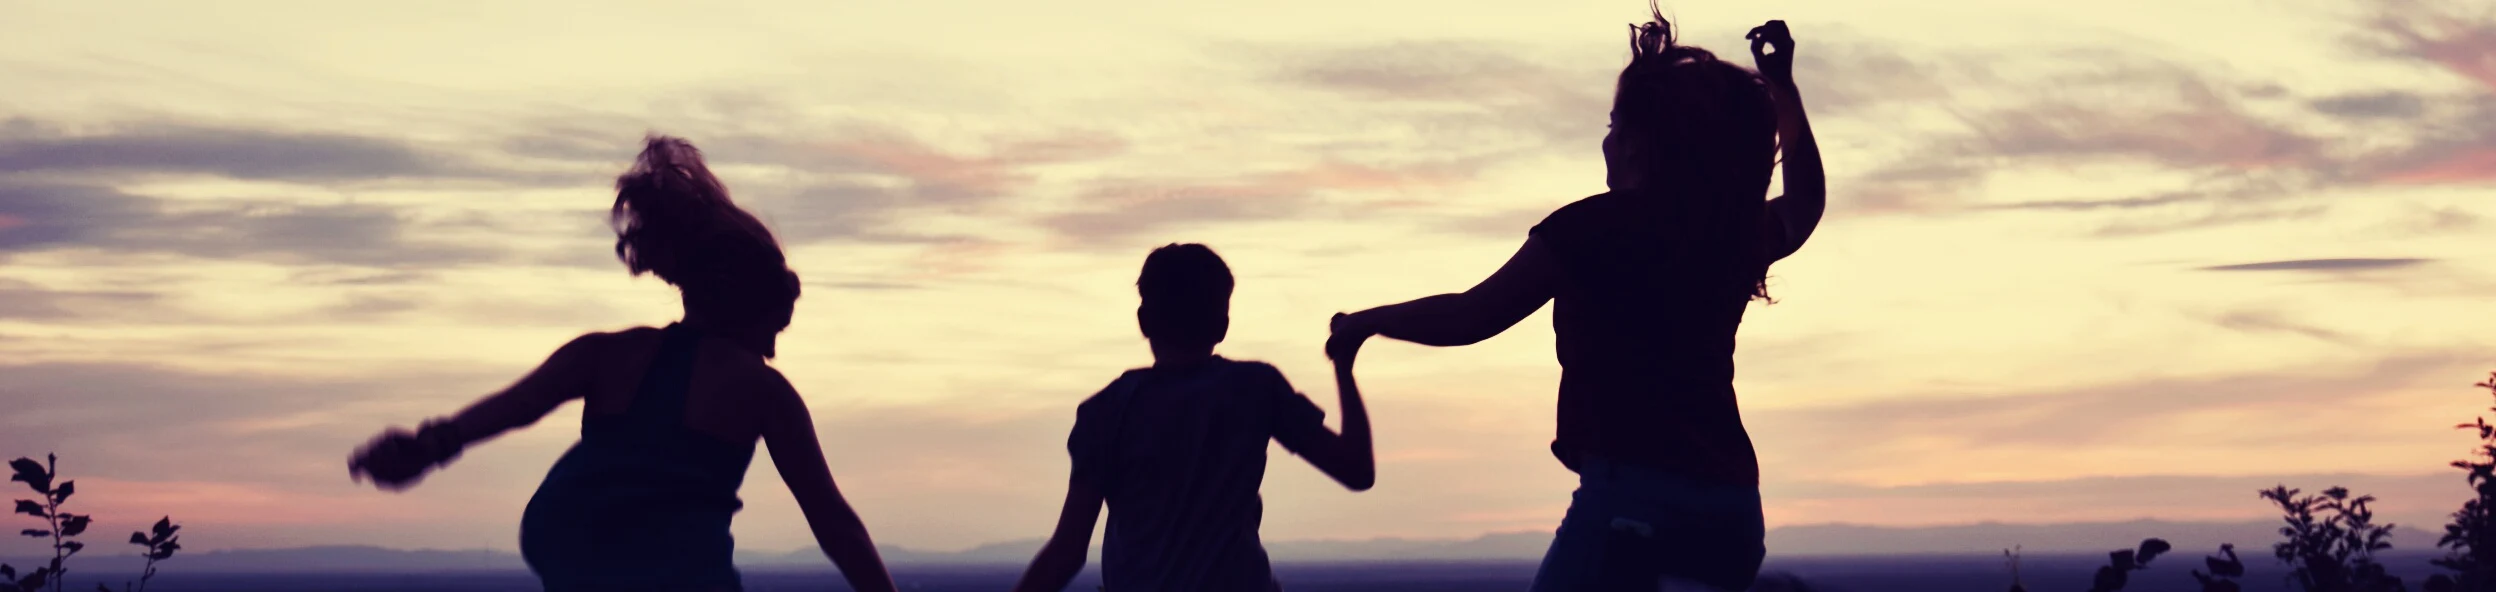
column 394, row 460
column 1345, row 343
column 1779, row 65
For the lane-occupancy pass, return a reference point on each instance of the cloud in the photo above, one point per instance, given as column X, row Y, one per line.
column 867, row 182
column 238, row 153
column 145, row 421
column 2461, row 145
column 2440, row 34
column 2134, row 413
column 2382, row 104
column 2260, row 321
column 1458, row 88
column 83, row 217
column 2223, row 214
column 1115, row 209
column 2143, row 110
column 26, row 301
column 2322, row 265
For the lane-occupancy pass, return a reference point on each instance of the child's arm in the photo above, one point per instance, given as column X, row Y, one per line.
column 1348, row 457
column 1515, row 291
column 790, row 433
column 397, row 459
column 1070, row 546
column 1791, row 217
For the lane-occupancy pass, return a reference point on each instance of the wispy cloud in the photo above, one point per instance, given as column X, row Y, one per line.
column 2380, row 104
column 2102, row 415
column 2265, row 321
column 168, row 147
column 25, row 301
column 1114, row 209
column 96, row 218
column 2322, row 265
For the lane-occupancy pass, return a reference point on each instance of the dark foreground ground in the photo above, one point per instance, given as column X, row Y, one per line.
column 1852, row 574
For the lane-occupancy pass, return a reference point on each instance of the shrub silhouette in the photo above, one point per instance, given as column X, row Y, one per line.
column 2331, row 541
column 2120, row 564
column 2223, row 571
column 160, row 543
column 2470, row 540
column 59, row 525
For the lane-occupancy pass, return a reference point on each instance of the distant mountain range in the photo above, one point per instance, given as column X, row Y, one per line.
column 2195, row 538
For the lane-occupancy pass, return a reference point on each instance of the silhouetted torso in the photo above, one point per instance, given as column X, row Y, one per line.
column 1645, row 321
column 643, row 502
column 1179, row 454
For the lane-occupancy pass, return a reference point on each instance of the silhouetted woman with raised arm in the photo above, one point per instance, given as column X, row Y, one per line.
column 1650, row 281
column 669, row 416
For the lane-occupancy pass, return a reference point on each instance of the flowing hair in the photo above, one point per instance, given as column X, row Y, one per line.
column 1703, row 132
column 673, row 219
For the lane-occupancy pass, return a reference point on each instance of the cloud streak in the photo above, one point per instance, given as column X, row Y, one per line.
column 231, row 152
column 2322, row 265
column 94, row 218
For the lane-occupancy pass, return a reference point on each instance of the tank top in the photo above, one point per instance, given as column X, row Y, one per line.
column 642, row 502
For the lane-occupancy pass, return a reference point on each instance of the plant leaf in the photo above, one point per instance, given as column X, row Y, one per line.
column 73, row 547
column 2152, row 548
column 32, row 473
column 36, row 532
column 138, row 538
column 72, row 525
column 61, row 494
column 30, row 508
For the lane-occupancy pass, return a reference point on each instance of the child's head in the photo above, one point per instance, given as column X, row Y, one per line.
column 1187, row 298
column 1688, row 126
column 1682, row 118
column 672, row 218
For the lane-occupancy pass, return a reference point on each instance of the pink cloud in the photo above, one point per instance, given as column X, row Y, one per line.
column 8, row 222
column 2468, row 167
column 2464, row 45
column 218, row 502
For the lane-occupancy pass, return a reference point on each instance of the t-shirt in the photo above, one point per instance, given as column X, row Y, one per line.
column 1179, row 454
column 1644, row 321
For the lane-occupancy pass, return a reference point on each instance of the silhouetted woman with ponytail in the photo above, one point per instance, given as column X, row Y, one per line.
column 669, row 415
column 1650, row 281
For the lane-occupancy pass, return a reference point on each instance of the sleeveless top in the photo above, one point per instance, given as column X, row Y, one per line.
column 1645, row 339
column 642, row 502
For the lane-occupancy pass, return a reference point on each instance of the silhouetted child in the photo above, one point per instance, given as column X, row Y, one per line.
column 1177, row 450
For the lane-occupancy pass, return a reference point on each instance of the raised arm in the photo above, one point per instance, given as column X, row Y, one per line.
column 1069, row 546
column 1519, row 288
column 790, row 433
column 397, row 458
column 1791, row 217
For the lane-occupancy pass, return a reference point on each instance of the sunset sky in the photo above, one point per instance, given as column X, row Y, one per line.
column 2083, row 261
